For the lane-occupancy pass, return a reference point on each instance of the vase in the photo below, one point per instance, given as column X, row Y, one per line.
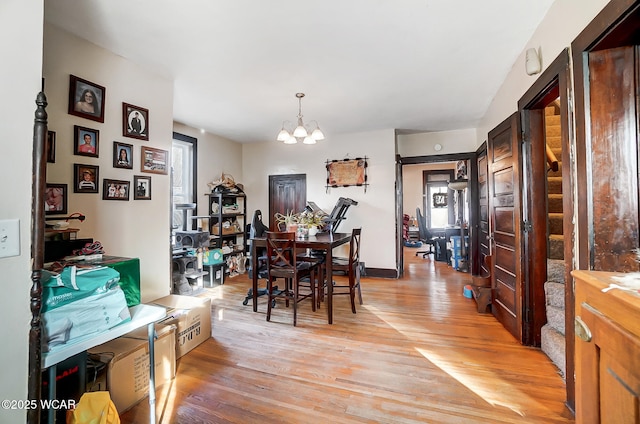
column 313, row 230
column 302, row 232
column 292, row 228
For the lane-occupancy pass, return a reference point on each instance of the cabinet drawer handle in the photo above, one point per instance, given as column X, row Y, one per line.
column 582, row 330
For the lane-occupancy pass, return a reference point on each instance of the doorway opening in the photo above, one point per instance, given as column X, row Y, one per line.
column 419, row 178
column 548, row 231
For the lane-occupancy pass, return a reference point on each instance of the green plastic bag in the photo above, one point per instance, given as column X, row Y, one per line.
column 76, row 283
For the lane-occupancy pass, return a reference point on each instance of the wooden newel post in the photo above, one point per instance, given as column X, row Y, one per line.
column 37, row 255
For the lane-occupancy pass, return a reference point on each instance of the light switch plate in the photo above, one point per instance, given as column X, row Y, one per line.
column 9, row 237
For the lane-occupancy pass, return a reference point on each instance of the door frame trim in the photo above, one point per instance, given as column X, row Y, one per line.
column 472, row 164
column 553, row 83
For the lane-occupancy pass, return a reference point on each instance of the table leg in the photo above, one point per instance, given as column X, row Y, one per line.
column 254, row 276
column 51, row 413
column 152, row 374
column 329, row 277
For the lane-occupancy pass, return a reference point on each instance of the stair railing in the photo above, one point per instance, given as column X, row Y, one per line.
column 552, row 160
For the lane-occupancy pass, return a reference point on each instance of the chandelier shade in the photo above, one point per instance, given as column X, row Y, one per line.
column 460, row 184
column 308, row 134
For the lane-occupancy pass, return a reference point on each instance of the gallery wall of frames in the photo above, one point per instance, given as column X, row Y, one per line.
column 87, row 101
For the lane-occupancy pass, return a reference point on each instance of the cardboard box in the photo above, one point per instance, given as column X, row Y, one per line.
column 127, row 359
column 191, row 316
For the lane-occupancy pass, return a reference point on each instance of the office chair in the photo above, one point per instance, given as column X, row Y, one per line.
column 425, row 236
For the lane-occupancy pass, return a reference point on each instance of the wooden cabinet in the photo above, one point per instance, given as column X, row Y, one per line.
column 607, row 327
column 227, row 224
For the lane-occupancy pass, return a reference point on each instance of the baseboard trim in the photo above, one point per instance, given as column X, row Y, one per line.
column 381, row 273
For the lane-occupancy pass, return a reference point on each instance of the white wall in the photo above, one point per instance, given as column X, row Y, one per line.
column 375, row 211
column 564, row 21
column 134, row 228
column 422, row 144
column 21, row 47
column 216, row 155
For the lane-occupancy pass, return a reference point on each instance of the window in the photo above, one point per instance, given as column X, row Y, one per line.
column 438, row 199
column 183, row 181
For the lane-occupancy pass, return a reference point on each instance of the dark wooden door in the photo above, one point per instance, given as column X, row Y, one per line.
column 399, row 218
column 503, row 160
column 484, row 248
column 287, row 193
column 614, row 159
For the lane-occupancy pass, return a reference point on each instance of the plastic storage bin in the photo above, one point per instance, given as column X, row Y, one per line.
column 456, row 256
column 455, row 246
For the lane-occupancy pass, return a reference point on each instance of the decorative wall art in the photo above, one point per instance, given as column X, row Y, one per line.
column 440, row 200
column 85, row 141
column 135, row 122
column 347, row 172
column 153, row 160
column 142, row 187
column 115, row 189
column 86, row 99
column 122, row 155
column 85, row 178
column 55, row 199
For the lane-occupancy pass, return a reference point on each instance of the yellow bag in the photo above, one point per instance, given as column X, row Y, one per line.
column 94, row 408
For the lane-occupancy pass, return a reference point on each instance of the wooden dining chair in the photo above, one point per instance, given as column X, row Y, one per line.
column 318, row 258
column 351, row 267
column 282, row 263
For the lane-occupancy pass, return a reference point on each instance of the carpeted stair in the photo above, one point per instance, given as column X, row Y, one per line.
column 553, row 339
column 554, row 184
column 553, row 332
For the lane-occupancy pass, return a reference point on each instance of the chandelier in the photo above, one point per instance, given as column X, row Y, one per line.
column 305, row 133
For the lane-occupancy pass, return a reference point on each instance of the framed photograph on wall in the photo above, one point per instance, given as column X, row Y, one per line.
column 85, row 141
column 115, row 189
column 135, row 121
column 85, row 178
column 122, row 155
column 55, row 199
column 51, row 146
column 86, row 99
column 155, row 161
column 142, row 187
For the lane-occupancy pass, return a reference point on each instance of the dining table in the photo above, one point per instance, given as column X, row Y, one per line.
column 324, row 241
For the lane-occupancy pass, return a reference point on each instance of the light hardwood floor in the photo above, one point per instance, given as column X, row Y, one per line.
column 417, row 351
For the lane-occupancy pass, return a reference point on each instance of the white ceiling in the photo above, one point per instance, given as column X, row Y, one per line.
column 411, row 65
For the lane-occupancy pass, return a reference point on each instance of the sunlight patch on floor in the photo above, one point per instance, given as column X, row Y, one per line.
column 496, row 393
column 478, row 386
column 215, row 293
column 165, row 414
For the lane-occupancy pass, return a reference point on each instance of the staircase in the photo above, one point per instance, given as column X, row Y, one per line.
column 554, row 185
column 552, row 333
